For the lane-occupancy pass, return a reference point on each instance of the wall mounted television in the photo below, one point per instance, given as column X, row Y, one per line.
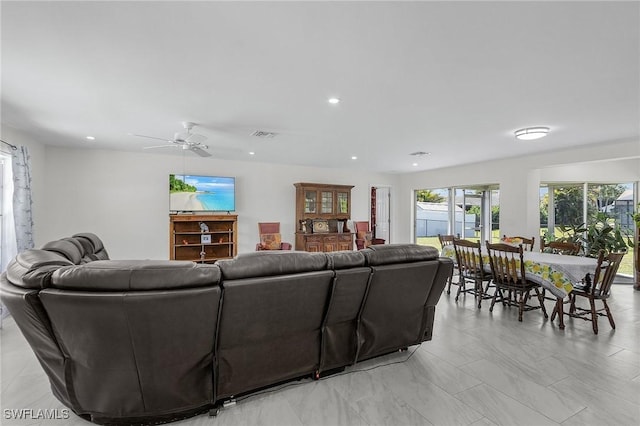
column 196, row 193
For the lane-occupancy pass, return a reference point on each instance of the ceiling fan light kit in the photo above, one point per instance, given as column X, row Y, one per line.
column 187, row 141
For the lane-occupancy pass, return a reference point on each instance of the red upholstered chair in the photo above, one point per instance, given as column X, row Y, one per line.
column 364, row 237
column 270, row 238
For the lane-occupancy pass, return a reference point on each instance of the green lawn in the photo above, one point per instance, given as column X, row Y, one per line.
column 626, row 267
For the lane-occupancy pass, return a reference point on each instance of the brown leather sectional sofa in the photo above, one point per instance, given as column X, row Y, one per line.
column 145, row 341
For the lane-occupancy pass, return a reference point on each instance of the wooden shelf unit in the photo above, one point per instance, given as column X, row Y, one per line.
column 318, row 201
column 188, row 242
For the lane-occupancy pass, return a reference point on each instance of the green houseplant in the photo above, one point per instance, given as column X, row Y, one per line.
column 603, row 234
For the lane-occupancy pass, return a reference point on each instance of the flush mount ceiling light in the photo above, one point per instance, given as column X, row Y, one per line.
column 90, row 138
column 334, row 101
column 264, row 134
column 531, row 133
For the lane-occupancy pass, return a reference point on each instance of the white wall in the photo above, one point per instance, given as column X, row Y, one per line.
column 519, row 180
column 123, row 196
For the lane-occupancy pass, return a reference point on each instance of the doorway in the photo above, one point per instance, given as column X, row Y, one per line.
column 380, row 212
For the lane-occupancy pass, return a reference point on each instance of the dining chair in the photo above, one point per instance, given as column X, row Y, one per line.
column 507, row 268
column 559, row 247
column 471, row 269
column 447, row 240
column 527, row 243
column 592, row 289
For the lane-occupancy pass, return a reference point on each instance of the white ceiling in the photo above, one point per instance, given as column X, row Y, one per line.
column 451, row 78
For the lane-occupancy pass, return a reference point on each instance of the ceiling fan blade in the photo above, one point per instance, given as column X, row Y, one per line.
column 201, row 152
column 160, row 146
column 151, row 137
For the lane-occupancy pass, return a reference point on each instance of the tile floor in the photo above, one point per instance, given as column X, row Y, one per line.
column 479, row 369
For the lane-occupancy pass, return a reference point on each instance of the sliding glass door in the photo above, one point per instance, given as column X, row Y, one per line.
column 470, row 212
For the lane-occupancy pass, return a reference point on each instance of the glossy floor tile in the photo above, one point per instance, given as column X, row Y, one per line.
column 480, row 369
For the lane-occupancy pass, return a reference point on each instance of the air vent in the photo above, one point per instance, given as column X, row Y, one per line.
column 263, row 134
column 419, row 153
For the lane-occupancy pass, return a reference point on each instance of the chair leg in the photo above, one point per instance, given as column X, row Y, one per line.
column 450, row 281
column 594, row 315
column 609, row 316
column 493, row 300
column 572, row 307
column 541, row 300
column 461, row 286
column 520, row 304
column 479, row 293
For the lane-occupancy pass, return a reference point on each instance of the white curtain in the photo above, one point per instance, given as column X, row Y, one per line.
column 22, row 215
column 16, row 233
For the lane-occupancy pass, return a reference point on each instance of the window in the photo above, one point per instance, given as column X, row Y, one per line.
column 565, row 210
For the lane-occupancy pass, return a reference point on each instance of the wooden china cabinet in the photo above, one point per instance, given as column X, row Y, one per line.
column 322, row 212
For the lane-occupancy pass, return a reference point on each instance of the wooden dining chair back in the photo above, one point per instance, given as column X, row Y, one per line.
column 559, row 247
column 471, row 269
column 527, row 243
column 595, row 288
column 512, row 287
column 447, row 240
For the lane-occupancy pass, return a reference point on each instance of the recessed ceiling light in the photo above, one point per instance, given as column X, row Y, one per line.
column 334, row 100
column 531, row 133
column 252, row 153
column 91, row 138
column 415, row 164
column 354, row 158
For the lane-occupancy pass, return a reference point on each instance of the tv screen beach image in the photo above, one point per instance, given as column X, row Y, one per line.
column 201, row 193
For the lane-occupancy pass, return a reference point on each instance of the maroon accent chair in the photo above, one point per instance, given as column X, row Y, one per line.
column 270, row 238
column 364, row 237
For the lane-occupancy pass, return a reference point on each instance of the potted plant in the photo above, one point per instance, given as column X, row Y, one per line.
column 603, row 234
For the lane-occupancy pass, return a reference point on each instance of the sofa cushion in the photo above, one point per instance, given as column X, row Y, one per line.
column 399, row 253
column 345, row 259
column 268, row 263
column 93, row 246
column 67, row 248
column 118, row 275
column 33, row 268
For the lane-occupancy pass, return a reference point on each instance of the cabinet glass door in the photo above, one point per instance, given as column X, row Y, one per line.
column 310, row 201
column 327, row 202
column 343, row 203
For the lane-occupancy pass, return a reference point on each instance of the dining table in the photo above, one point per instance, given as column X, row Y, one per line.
column 556, row 273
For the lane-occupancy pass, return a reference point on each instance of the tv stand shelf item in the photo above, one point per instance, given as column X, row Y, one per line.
column 203, row 238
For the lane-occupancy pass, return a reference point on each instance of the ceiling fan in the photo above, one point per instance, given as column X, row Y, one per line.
column 185, row 140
